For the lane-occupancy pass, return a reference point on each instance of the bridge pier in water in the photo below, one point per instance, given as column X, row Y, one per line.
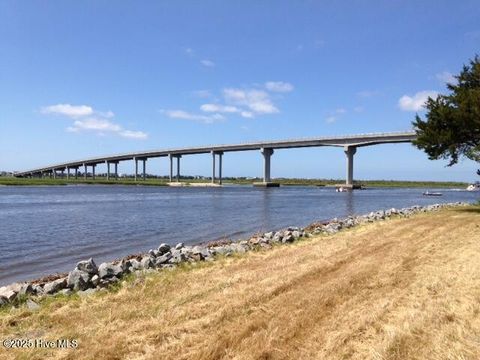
column 172, row 156
column 267, row 154
column 144, row 168
column 219, row 153
column 349, row 185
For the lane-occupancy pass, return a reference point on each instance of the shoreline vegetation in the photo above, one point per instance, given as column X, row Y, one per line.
column 391, row 284
column 12, row 181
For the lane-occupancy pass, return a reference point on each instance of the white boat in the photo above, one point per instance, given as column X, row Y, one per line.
column 428, row 193
column 474, row 187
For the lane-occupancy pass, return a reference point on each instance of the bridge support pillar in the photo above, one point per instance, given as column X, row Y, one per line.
column 85, row 170
column 144, row 175
column 68, row 173
column 108, row 169
column 76, row 173
column 178, row 167
column 54, row 173
column 267, row 154
column 213, row 167
column 136, row 168
column 93, row 171
column 172, row 156
column 349, row 152
column 116, row 171
column 219, row 153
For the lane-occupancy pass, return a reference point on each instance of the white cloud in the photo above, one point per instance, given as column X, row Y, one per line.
column 358, row 109
column 86, row 119
column 96, row 125
column 417, row 101
column 207, row 63
column 278, row 86
column 331, row 119
column 256, row 101
column 72, row 111
column 446, row 77
column 247, row 114
column 341, row 111
column 133, row 134
column 219, row 108
column 184, row 115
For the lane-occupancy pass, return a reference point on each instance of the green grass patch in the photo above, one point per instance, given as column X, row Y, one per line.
column 12, row 181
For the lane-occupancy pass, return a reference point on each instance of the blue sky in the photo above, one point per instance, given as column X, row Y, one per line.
column 87, row 78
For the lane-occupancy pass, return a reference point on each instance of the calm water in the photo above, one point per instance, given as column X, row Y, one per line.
column 48, row 229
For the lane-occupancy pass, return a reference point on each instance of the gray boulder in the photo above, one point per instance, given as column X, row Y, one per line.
column 27, row 289
column 55, row 286
column 177, row 257
column 87, row 266
column 32, row 305
column 179, row 246
column 78, row 280
column 95, row 280
column 163, row 259
column 268, row 235
column 288, row 238
column 147, row 262
column 7, row 293
column 163, row 249
column 153, row 253
column 108, row 270
column 135, row 264
column 126, row 265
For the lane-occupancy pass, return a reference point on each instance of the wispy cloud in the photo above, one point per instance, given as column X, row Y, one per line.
column 207, row 63
column 417, row 101
column 185, row 115
column 72, row 111
column 86, row 119
column 248, row 102
column 446, row 77
column 278, row 86
column 256, row 101
column 335, row 115
column 219, row 108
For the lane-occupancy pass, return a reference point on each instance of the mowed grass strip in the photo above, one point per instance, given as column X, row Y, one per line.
column 399, row 289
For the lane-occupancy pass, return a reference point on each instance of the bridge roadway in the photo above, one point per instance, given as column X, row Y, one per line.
column 350, row 143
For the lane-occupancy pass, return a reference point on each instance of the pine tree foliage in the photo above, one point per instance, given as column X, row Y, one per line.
column 451, row 129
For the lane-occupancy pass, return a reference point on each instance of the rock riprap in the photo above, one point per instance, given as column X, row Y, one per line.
column 87, row 278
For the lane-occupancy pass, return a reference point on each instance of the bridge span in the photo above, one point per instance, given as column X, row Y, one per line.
column 350, row 143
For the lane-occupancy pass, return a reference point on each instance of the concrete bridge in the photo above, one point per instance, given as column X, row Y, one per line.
column 349, row 144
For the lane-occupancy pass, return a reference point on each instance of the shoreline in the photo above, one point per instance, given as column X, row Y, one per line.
column 10, row 181
column 88, row 278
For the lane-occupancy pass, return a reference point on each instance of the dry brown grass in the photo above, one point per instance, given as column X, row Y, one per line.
column 400, row 289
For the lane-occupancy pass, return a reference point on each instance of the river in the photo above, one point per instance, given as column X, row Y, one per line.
column 48, row 229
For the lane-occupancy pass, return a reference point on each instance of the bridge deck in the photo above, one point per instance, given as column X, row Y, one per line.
column 350, row 140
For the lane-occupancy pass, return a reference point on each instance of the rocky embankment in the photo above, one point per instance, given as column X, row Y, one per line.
column 88, row 278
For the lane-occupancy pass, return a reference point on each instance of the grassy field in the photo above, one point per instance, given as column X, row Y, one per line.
column 239, row 181
column 399, row 289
